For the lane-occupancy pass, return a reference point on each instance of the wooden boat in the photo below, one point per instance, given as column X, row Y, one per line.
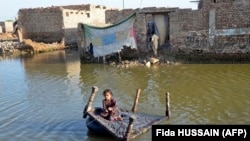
column 132, row 125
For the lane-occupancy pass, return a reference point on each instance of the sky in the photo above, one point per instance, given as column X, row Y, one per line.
column 9, row 8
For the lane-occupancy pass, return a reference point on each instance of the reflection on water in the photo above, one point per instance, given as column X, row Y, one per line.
column 42, row 97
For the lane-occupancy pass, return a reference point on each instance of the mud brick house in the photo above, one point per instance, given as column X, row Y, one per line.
column 58, row 23
column 217, row 26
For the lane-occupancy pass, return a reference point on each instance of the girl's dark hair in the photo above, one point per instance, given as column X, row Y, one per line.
column 107, row 91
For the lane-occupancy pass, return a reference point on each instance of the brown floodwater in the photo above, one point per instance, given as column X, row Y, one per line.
column 42, row 97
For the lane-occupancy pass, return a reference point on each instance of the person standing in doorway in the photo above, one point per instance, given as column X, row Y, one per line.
column 155, row 39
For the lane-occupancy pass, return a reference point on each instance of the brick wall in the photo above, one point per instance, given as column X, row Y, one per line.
column 115, row 15
column 42, row 24
column 229, row 32
column 183, row 20
column 188, row 29
column 220, row 4
column 53, row 24
column 233, row 17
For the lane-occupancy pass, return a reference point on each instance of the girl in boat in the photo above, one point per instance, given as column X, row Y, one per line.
column 110, row 108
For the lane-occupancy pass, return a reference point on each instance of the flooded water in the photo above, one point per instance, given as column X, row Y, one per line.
column 42, row 97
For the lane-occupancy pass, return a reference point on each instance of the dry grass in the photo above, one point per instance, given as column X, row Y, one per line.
column 7, row 36
column 42, row 47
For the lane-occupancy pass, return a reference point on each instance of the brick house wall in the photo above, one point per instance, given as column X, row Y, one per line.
column 59, row 23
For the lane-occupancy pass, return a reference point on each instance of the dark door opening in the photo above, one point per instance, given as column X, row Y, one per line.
column 159, row 24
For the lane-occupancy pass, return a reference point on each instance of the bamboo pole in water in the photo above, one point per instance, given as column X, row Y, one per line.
column 90, row 102
column 134, row 109
column 167, row 105
column 130, row 128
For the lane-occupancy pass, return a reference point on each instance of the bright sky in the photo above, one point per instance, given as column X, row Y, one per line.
column 9, row 8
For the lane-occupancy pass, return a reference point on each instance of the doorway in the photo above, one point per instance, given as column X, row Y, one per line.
column 158, row 23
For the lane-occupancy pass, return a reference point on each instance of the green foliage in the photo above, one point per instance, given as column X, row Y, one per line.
column 9, row 20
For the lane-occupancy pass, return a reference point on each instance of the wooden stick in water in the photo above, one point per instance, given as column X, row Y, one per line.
column 130, row 128
column 134, row 109
column 90, row 102
column 167, row 105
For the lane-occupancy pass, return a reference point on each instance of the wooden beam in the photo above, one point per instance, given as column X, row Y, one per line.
column 167, row 105
column 134, row 109
column 130, row 128
column 90, row 102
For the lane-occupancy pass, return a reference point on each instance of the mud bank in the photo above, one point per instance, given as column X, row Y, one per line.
column 28, row 47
